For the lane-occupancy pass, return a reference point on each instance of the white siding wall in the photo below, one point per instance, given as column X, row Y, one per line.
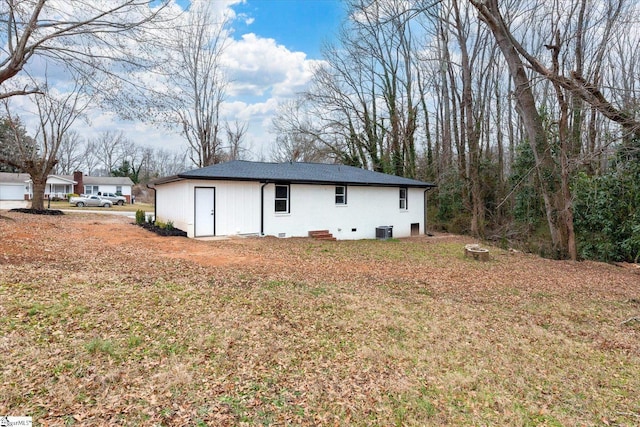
column 237, row 208
column 313, row 207
column 174, row 202
column 237, row 205
column 126, row 189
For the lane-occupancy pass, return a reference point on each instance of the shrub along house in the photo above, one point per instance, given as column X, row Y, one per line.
column 291, row 200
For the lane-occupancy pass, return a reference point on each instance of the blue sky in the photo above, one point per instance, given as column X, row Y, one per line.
column 299, row 25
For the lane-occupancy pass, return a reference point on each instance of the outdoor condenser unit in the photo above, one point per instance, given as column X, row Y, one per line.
column 384, row 232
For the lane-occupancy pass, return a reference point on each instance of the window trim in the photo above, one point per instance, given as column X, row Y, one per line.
column 343, row 195
column 287, row 199
column 404, row 199
column 95, row 188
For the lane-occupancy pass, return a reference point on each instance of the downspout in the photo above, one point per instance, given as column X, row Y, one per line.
column 262, row 208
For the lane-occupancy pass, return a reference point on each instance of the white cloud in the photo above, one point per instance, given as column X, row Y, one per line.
column 262, row 73
column 257, row 66
column 246, row 19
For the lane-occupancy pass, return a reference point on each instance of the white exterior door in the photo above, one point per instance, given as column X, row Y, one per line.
column 205, row 218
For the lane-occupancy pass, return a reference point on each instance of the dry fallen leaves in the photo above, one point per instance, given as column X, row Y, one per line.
column 104, row 323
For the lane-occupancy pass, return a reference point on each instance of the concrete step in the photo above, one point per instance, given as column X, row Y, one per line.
column 321, row 235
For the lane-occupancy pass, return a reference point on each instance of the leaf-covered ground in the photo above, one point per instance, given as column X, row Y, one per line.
column 105, row 323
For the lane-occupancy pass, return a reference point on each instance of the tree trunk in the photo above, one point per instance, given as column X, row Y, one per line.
column 38, row 186
column 447, row 144
column 471, row 131
column 563, row 200
column 525, row 103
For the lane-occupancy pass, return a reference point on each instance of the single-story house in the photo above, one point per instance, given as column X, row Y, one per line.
column 291, row 200
column 103, row 184
column 17, row 186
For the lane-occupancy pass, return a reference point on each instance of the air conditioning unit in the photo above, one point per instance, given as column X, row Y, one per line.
column 384, row 232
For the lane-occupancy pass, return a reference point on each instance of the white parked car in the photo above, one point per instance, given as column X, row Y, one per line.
column 90, row 200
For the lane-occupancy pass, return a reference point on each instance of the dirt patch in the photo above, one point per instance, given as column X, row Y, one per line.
column 122, row 234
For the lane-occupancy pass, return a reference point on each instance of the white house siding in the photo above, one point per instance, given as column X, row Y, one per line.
column 237, row 205
column 174, row 202
column 237, row 208
column 56, row 187
column 125, row 190
column 313, row 207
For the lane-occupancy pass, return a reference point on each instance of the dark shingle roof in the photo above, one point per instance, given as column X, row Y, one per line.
column 309, row 173
column 14, row 178
column 107, row 180
column 9, row 177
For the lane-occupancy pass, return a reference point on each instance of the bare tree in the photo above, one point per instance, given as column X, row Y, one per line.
column 83, row 35
column 90, row 157
column 470, row 110
column 363, row 98
column 198, row 83
column 133, row 159
column 165, row 163
column 295, row 139
column 300, row 147
column 553, row 161
column 140, row 163
column 110, row 147
column 528, row 110
column 235, row 134
column 56, row 114
column 70, row 153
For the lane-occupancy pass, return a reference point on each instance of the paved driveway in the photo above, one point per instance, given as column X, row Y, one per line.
column 13, row 204
column 17, row 204
column 104, row 211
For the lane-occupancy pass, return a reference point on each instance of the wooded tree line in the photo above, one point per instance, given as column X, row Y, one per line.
column 111, row 153
column 523, row 112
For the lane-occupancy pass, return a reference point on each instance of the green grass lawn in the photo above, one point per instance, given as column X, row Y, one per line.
column 128, row 207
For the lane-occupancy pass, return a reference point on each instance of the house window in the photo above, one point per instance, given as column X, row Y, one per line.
column 118, row 190
column 403, row 199
column 341, row 195
column 90, row 189
column 282, row 198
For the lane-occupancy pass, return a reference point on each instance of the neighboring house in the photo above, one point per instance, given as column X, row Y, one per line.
column 103, row 184
column 17, row 186
column 291, row 200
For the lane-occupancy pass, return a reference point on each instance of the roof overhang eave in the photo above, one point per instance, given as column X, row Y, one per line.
column 297, row 181
column 167, row 179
